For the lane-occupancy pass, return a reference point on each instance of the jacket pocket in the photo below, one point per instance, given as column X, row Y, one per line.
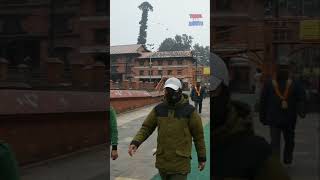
column 184, row 154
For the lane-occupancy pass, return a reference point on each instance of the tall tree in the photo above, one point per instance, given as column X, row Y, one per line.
column 202, row 54
column 179, row 43
column 145, row 7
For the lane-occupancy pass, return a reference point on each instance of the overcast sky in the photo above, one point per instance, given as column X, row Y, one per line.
column 169, row 17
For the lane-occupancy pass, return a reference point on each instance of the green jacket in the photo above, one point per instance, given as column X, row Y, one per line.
column 177, row 126
column 8, row 164
column 113, row 129
column 239, row 154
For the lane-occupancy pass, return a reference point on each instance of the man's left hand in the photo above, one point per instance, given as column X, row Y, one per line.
column 201, row 165
column 114, row 154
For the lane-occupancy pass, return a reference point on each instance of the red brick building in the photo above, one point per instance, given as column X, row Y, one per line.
column 237, row 36
column 74, row 31
column 245, row 34
column 122, row 59
column 94, row 32
column 178, row 64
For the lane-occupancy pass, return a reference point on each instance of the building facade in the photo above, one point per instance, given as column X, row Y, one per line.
column 306, row 8
column 94, row 31
column 153, row 66
column 237, row 36
column 122, row 59
column 32, row 31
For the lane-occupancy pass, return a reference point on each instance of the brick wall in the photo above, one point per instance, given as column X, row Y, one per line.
column 123, row 105
column 37, row 137
column 124, row 100
column 38, row 130
column 45, row 124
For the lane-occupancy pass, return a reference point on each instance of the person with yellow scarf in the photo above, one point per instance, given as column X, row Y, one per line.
column 282, row 101
column 197, row 95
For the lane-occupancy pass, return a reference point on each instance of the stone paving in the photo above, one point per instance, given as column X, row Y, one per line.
column 142, row 164
column 306, row 155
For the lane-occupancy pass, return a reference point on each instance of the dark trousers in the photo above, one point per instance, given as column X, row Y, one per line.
column 198, row 104
column 288, row 136
column 165, row 176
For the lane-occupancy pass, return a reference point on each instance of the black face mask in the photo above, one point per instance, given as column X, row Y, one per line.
column 218, row 108
column 172, row 96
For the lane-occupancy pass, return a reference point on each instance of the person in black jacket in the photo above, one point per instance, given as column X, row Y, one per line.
column 198, row 93
column 282, row 100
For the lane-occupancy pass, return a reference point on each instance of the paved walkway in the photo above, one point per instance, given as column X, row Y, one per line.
column 307, row 140
column 92, row 164
column 142, row 165
column 306, row 155
column 87, row 165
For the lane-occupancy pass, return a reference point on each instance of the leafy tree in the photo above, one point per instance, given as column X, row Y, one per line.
column 168, row 44
column 145, row 7
column 202, row 54
column 184, row 43
column 179, row 43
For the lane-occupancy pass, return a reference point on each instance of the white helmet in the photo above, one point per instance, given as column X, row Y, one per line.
column 218, row 72
column 173, row 83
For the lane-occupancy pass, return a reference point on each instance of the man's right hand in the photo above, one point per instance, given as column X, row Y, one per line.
column 132, row 149
column 201, row 165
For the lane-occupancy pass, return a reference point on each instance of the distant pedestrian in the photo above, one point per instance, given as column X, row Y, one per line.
column 113, row 134
column 178, row 124
column 198, row 93
column 282, row 100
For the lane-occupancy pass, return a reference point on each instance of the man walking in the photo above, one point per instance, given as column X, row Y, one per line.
column 178, row 123
column 197, row 95
column 282, row 100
